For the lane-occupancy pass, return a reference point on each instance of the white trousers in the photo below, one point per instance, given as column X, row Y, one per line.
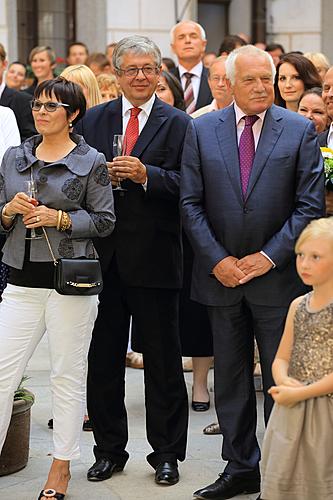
column 25, row 315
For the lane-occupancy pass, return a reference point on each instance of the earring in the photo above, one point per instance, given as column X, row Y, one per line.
column 70, row 124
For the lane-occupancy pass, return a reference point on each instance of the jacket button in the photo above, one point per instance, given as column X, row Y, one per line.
column 43, row 179
column 246, row 210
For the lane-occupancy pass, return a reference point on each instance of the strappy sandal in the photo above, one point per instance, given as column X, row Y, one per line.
column 50, row 493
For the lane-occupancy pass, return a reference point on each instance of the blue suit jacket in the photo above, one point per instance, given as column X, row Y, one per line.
column 146, row 239
column 285, row 191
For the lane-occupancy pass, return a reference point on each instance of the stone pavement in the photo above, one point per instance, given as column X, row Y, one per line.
column 137, row 481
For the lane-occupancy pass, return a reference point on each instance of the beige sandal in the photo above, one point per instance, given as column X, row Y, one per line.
column 134, row 360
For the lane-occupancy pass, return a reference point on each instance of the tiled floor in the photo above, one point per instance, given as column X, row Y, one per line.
column 137, row 481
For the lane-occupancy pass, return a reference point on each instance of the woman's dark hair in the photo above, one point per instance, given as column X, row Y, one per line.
column 306, row 70
column 176, row 89
column 274, row 46
column 229, row 43
column 18, row 62
column 314, row 90
column 170, row 63
column 65, row 92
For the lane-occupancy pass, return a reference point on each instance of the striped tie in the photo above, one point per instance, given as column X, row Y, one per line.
column 189, row 94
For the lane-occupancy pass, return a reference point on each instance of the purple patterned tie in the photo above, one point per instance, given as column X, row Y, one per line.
column 246, row 151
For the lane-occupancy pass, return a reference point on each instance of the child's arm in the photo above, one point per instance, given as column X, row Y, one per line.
column 289, row 396
column 281, row 362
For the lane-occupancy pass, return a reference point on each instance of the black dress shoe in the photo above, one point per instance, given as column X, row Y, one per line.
column 227, row 486
column 200, row 406
column 103, row 469
column 167, row 473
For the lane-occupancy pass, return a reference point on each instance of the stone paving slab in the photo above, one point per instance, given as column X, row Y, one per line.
column 136, row 482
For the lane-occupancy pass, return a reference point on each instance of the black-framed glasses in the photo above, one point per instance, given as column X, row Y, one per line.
column 133, row 72
column 49, row 106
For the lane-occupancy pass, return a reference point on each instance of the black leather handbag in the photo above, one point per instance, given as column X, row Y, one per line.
column 80, row 276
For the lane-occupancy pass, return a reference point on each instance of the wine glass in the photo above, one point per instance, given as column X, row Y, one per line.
column 118, row 147
column 30, row 188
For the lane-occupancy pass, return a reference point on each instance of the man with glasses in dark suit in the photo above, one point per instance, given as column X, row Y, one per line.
column 141, row 265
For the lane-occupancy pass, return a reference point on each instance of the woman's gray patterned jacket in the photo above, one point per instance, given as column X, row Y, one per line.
column 78, row 184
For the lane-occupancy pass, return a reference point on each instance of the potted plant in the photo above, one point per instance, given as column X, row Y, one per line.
column 15, row 452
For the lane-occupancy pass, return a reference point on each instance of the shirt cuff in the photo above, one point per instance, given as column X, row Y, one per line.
column 145, row 185
column 270, row 260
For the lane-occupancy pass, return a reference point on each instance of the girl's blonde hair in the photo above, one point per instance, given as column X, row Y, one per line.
column 81, row 74
column 106, row 81
column 320, row 228
column 318, row 59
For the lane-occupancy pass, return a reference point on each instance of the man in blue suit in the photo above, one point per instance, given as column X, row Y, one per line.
column 142, row 266
column 252, row 178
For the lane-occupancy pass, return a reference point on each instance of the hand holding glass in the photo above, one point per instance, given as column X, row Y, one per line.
column 118, row 147
column 30, row 188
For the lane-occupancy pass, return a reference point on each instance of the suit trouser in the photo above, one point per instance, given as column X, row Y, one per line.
column 155, row 314
column 25, row 315
column 234, row 328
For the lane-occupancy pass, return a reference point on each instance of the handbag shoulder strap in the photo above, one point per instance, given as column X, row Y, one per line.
column 55, row 262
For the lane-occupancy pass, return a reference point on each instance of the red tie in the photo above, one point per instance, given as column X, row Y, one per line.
column 132, row 131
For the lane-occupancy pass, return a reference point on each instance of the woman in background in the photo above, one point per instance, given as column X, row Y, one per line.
column 16, row 75
column 195, row 333
column 312, row 106
column 108, row 87
column 43, row 61
column 83, row 76
column 294, row 74
column 320, row 61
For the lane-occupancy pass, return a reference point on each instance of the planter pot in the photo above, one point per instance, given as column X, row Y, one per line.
column 15, row 452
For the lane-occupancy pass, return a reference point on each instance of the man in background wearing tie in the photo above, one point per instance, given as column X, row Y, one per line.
column 252, row 179
column 142, row 268
column 188, row 42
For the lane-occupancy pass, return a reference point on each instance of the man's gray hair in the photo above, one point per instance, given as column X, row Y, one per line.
column 172, row 31
column 246, row 50
column 138, row 45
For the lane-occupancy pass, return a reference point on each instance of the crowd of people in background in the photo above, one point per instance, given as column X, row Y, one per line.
column 213, row 293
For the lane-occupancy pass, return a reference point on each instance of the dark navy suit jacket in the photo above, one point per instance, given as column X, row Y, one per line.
column 286, row 191
column 19, row 102
column 205, row 96
column 146, row 239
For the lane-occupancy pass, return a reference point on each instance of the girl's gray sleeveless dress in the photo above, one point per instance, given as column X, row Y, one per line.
column 297, row 455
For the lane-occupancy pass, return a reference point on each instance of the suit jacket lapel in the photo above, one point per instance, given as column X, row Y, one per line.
column 271, row 130
column 227, row 138
column 156, row 118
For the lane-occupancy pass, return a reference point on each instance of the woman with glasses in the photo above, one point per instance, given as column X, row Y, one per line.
column 73, row 202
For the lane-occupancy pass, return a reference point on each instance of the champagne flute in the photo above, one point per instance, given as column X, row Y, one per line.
column 30, row 188
column 118, row 147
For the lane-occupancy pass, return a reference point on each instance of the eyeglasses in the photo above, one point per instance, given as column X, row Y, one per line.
column 48, row 106
column 133, row 72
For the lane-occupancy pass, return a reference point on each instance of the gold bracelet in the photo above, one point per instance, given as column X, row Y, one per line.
column 11, row 217
column 59, row 217
column 66, row 222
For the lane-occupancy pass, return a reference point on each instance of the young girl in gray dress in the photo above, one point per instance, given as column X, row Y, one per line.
column 297, row 461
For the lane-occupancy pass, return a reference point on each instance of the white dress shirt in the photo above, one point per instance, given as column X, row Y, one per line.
column 142, row 117
column 330, row 137
column 196, row 72
column 257, row 127
column 9, row 132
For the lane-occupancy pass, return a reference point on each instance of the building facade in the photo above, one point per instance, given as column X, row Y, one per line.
column 297, row 25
